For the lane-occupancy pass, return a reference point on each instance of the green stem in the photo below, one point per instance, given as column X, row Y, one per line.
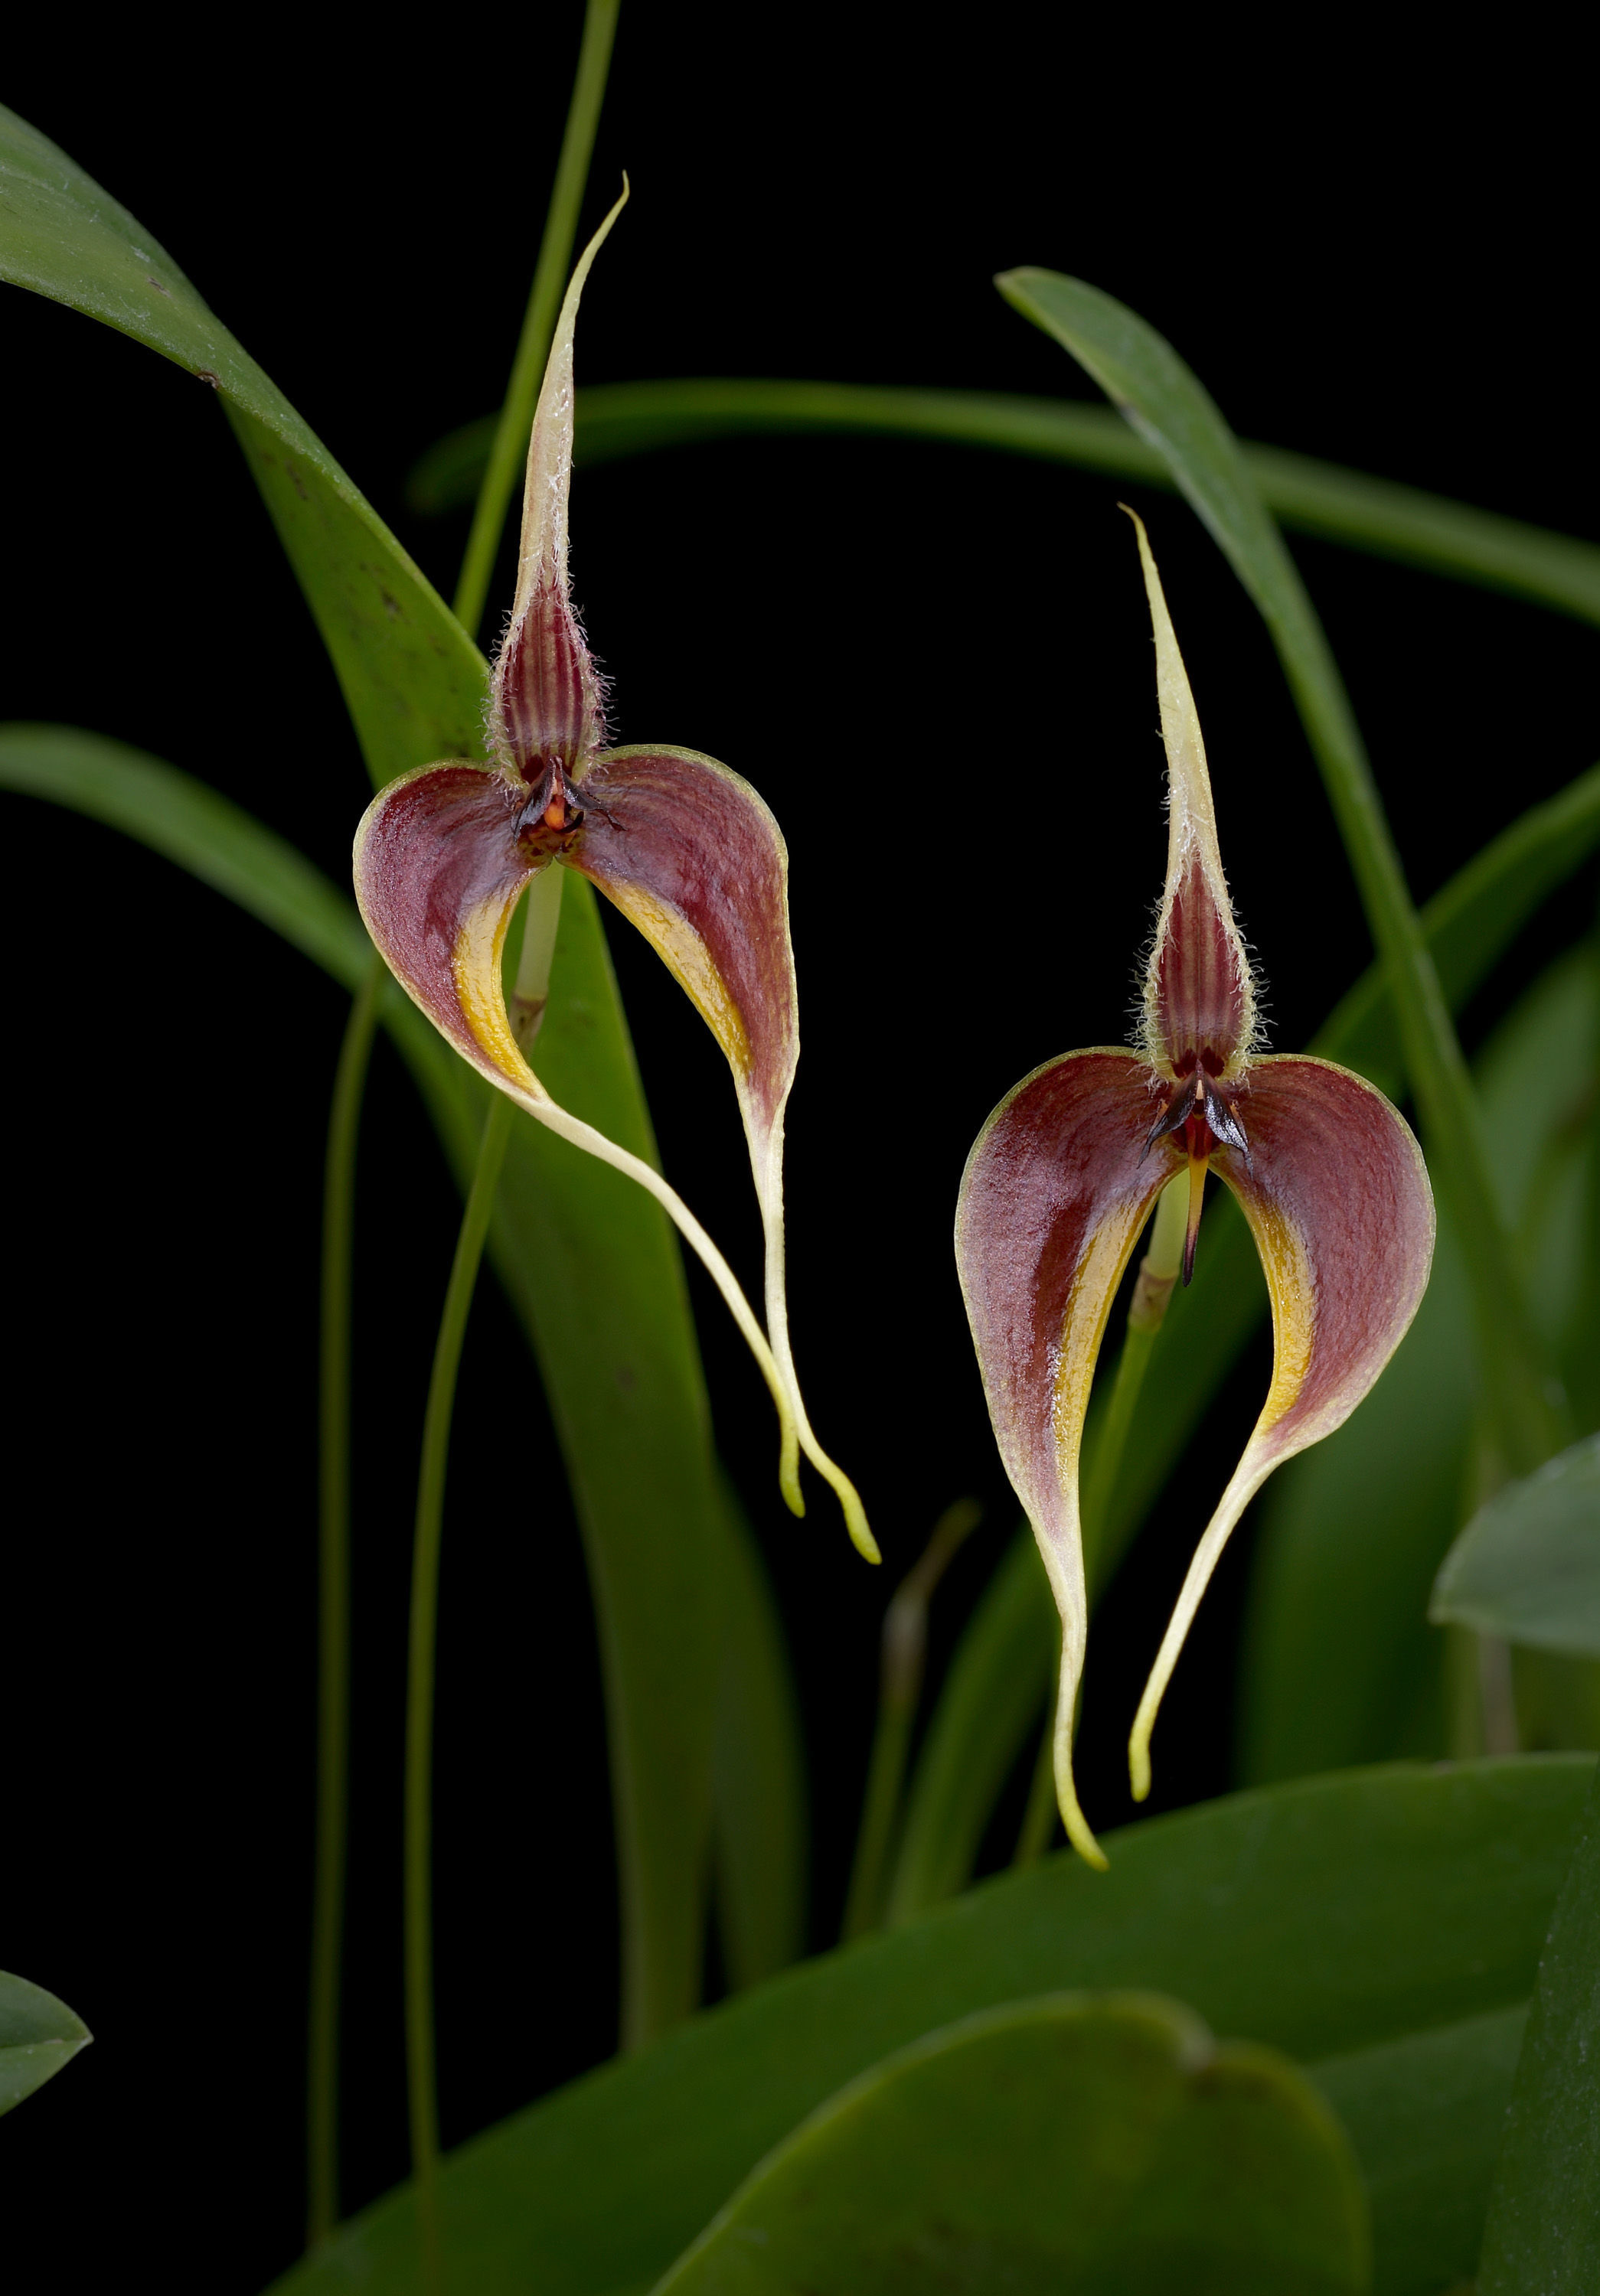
column 550, row 277
column 900, row 1682
column 488, row 519
column 333, row 1613
column 421, row 2076
column 1039, row 1818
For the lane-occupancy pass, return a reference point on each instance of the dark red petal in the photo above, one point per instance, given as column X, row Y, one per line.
column 690, row 855
column 1337, row 1197
column 437, row 875
column 1055, row 1192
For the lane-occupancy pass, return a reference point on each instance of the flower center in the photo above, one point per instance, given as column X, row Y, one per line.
column 551, row 819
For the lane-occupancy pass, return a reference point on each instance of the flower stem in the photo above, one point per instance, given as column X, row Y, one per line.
column 483, row 543
column 422, row 2084
column 550, row 276
column 900, row 1681
column 333, row 1614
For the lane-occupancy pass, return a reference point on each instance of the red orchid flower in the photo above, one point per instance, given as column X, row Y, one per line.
column 1062, row 1177
column 684, row 847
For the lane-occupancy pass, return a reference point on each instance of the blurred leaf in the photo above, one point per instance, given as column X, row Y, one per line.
column 38, row 2035
column 1328, row 1917
column 1543, row 2234
column 1426, row 2114
column 1321, row 498
column 594, row 1275
column 1339, row 1664
column 1528, row 1564
column 995, row 1691
column 1096, row 2145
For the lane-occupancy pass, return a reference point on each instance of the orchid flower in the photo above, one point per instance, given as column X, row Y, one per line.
column 1062, row 1177
column 684, row 849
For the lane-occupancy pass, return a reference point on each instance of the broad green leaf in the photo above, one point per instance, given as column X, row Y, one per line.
column 597, row 1275
column 1312, row 497
column 1528, row 1564
column 1543, row 2234
column 38, row 2035
column 1079, row 2145
column 999, row 1678
column 1323, row 1918
column 595, row 1279
column 1339, row 1664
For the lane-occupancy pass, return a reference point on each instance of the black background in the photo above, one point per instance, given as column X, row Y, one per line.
column 936, row 667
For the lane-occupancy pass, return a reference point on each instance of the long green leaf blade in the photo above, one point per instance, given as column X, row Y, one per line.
column 1543, row 2234
column 617, row 419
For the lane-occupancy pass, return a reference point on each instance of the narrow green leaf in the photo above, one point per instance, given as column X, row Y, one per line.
column 38, row 2035
column 1543, row 2234
column 1528, row 1564
column 1339, row 1664
column 1144, row 377
column 1080, row 2144
column 617, row 419
column 1326, row 1917
column 998, row 1679
column 591, row 1262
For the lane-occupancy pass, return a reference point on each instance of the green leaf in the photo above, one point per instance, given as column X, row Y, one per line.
column 38, row 2035
column 1313, row 498
column 1425, row 2114
column 1339, row 1664
column 1528, row 1564
column 1543, row 2234
column 998, row 1679
column 1170, row 409
column 1096, row 2145
column 1323, row 1918
column 591, row 1262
